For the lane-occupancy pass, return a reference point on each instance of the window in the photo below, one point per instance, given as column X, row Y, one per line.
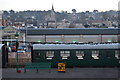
column 117, row 54
column 108, row 54
column 37, row 55
column 64, row 54
column 49, row 54
column 95, row 54
column 80, row 54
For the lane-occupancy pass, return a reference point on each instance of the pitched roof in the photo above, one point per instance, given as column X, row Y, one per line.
column 73, row 31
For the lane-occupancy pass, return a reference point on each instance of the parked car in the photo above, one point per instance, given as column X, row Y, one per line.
column 20, row 51
column 13, row 48
column 24, row 47
column 20, row 48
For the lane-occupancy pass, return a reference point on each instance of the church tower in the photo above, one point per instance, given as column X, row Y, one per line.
column 51, row 19
column 52, row 15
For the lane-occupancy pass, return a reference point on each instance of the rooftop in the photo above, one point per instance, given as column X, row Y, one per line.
column 72, row 31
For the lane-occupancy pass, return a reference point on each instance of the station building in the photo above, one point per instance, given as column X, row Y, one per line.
column 7, row 35
column 71, row 35
column 66, row 35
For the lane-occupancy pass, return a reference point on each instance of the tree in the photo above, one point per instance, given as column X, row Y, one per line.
column 95, row 11
column 12, row 11
column 74, row 10
column 86, row 26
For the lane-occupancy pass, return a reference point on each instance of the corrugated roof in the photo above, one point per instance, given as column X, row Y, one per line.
column 75, row 46
column 73, row 31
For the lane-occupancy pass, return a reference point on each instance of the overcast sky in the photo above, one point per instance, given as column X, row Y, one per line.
column 59, row 5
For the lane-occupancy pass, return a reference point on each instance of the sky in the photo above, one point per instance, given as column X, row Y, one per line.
column 59, row 5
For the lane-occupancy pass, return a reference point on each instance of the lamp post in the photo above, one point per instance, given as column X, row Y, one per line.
column 16, row 36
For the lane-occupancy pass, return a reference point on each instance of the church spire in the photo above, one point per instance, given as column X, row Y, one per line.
column 52, row 7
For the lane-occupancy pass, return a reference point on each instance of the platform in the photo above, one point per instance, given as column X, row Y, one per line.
column 111, row 73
